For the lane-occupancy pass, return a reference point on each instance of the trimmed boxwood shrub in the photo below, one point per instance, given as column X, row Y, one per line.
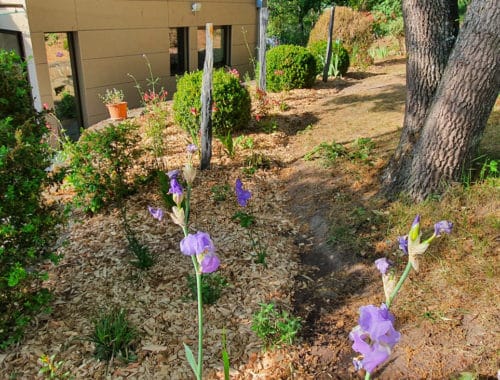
column 318, row 49
column 288, row 67
column 27, row 225
column 232, row 103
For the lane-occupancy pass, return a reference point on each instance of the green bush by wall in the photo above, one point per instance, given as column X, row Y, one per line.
column 289, row 67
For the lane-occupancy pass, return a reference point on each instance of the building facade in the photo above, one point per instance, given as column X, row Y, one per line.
column 76, row 49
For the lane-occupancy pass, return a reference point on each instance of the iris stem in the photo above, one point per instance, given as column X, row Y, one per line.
column 399, row 284
column 198, row 291
column 367, row 376
column 200, row 317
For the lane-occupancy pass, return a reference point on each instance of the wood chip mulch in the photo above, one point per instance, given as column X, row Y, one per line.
column 96, row 274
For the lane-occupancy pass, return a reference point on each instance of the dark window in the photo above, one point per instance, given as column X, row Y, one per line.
column 178, row 51
column 10, row 40
column 222, row 45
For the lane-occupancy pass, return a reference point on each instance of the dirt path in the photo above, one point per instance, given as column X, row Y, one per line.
column 335, row 276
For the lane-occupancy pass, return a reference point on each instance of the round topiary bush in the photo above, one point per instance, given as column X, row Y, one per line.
column 231, row 108
column 318, row 49
column 288, row 67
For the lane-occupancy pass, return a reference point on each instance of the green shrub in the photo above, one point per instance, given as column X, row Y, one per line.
column 27, row 225
column 275, row 328
column 289, row 67
column 231, row 109
column 318, row 50
column 100, row 164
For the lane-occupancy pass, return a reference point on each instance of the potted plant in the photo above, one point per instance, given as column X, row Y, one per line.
column 117, row 107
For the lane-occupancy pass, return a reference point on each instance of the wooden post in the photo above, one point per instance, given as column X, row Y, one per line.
column 329, row 45
column 206, row 99
column 263, row 17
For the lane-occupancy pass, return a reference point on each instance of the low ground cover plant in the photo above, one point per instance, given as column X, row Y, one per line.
column 275, row 328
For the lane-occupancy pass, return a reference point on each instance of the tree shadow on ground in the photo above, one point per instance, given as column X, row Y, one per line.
column 290, row 125
column 391, row 99
column 343, row 223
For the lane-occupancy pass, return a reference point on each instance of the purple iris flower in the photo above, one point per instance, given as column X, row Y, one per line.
column 210, row 263
column 59, row 54
column 156, row 213
column 403, row 243
column 191, row 148
column 197, row 244
column 242, row 195
column 175, row 187
column 375, row 336
column 382, row 265
column 443, row 227
column 173, row 173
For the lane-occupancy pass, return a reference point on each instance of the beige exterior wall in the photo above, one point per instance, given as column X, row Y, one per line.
column 112, row 35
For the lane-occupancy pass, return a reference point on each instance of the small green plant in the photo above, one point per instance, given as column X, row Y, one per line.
column 113, row 336
column 273, row 327
column 289, row 67
column 143, row 258
column 211, row 287
column 228, row 144
column 339, row 59
column 51, row 369
column 257, row 161
column 220, row 192
column 328, row 153
column 363, row 147
column 113, row 96
column 245, row 142
column 51, row 38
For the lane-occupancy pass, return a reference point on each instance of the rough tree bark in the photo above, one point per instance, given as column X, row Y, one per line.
column 431, row 27
column 463, row 101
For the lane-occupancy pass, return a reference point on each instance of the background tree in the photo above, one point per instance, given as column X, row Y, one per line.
column 286, row 15
column 451, row 90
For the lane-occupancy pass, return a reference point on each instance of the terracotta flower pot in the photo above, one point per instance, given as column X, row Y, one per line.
column 117, row 111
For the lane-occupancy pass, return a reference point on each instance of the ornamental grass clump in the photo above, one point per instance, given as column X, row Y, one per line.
column 199, row 246
column 375, row 336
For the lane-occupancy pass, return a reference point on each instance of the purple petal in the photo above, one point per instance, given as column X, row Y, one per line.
column 175, row 187
column 210, row 263
column 173, row 173
column 443, row 226
column 379, row 354
column 191, row 148
column 242, row 195
column 197, row 244
column 416, row 221
column 156, row 213
column 382, row 265
column 403, row 243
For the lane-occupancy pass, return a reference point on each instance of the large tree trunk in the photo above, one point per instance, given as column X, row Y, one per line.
column 431, row 27
column 462, row 104
column 438, row 140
